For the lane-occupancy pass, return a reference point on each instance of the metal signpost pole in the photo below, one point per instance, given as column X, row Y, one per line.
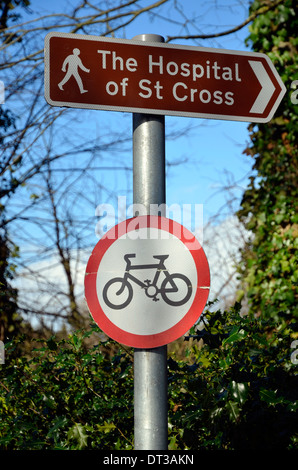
column 150, row 365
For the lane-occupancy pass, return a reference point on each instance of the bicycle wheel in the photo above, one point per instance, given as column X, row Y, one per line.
column 179, row 296
column 117, row 293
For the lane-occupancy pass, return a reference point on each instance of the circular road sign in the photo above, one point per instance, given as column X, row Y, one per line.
column 147, row 281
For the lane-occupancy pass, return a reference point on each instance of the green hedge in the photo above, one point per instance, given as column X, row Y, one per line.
column 234, row 386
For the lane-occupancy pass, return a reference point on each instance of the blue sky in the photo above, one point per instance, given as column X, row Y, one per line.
column 213, row 149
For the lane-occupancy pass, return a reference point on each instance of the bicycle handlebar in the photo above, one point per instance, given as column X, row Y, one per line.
column 129, row 255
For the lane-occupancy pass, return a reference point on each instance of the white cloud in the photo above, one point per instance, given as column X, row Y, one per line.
column 222, row 244
column 42, row 285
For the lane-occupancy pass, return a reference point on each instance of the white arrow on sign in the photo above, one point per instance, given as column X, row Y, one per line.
column 267, row 90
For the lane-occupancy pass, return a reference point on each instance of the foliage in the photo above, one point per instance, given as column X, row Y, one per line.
column 66, row 397
column 240, row 391
column 236, row 389
column 269, row 205
column 10, row 321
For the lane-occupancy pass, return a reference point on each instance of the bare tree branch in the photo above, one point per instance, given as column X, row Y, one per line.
column 252, row 17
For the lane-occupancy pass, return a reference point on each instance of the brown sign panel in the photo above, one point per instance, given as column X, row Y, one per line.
column 141, row 77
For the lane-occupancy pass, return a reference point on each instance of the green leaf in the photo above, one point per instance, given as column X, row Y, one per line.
column 233, row 410
column 173, row 443
column 52, row 345
column 270, row 397
column 239, row 392
column 236, row 334
column 54, row 431
column 77, row 432
column 106, row 427
column 225, row 362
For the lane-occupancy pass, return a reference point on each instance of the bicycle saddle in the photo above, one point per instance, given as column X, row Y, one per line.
column 161, row 257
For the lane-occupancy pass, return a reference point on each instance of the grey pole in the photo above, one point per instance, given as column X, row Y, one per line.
column 150, row 365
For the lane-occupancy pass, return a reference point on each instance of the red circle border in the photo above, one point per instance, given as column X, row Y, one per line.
column 198, row 304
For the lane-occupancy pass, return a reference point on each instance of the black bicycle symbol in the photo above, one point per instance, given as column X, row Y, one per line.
column 121, row 289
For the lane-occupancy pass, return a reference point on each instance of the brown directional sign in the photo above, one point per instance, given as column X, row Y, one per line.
column 95, row 72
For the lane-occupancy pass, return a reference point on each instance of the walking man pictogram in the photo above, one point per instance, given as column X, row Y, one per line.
column 74, row 63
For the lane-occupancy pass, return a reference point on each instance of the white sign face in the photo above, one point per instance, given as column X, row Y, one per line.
column 143, row 287
column 145, row 270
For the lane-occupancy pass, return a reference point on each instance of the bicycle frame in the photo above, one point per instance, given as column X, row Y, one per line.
column 160, row 267
column 167, row 286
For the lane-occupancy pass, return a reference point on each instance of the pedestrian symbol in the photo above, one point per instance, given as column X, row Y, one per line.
column 74, row 63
